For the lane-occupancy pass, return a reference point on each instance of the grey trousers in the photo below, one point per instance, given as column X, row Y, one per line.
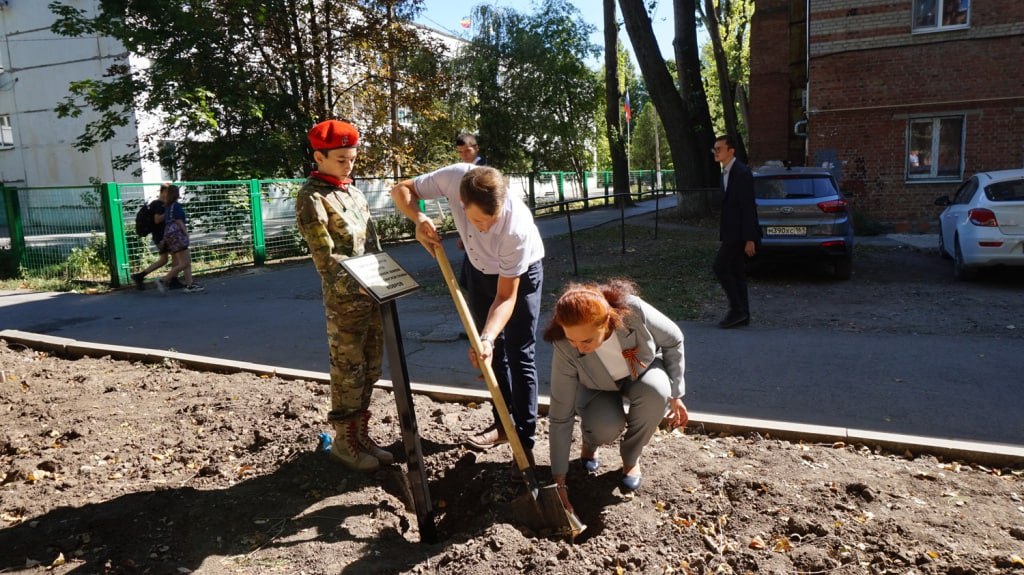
column 603, row 416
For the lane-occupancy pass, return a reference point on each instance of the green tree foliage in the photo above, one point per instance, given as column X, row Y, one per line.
column 649, row 142
column 726, row 70
column 530, row 87
column 238, row 83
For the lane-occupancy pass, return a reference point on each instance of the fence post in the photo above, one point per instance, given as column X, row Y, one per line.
column 14, row 224
column 117, row 246
column 259, row 243
column 561, row 191
column 586, row 189
column 531, row 194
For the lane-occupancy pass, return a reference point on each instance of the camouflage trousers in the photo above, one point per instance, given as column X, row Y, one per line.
column 355, row 335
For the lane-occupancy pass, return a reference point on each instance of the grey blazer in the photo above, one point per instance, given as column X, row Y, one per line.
column 654, row 336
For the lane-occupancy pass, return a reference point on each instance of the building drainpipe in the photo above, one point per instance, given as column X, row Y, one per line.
column 807, row 80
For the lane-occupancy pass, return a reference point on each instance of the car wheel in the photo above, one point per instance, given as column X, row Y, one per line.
column 960, row 269
column 843, row 268
column 942, row 246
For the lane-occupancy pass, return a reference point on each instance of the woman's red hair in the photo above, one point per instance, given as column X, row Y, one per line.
column 590, row 304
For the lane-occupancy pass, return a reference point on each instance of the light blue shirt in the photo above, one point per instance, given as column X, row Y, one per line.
column 512, row 243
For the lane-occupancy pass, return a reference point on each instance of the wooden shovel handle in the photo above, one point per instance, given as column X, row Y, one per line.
column 518, row 452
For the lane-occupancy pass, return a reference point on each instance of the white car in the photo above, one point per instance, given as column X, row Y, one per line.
column 983, row 224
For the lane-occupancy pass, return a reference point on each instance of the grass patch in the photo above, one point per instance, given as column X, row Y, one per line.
column 673, row 272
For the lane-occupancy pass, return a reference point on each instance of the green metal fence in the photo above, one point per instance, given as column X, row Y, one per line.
column 87, row 233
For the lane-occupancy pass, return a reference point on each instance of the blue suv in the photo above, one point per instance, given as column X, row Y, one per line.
column 804, row 215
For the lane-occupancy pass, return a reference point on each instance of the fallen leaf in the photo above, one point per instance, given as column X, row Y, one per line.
column 1016, row 560
column 932, row 554
column 782, row 545
column 58, row 561
column 757, row 543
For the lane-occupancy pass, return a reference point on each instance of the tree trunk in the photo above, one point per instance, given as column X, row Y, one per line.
column 616, row 143
column 691, row 86
column 725, row 85
column 661, row 88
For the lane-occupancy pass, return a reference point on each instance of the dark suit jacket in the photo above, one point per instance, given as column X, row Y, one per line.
column 739, row 210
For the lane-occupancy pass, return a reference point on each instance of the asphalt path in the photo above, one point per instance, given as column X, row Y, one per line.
column 941, row 386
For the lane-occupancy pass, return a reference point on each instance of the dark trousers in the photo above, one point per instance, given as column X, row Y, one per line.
column 730, row 273
column 515, row 348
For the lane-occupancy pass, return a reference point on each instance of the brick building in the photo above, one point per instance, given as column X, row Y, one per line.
column 904, row 99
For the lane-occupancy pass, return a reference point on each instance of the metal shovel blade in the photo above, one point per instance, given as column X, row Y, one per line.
column 542, row 513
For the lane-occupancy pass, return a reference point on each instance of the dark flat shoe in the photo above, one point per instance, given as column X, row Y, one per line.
column 631, row 482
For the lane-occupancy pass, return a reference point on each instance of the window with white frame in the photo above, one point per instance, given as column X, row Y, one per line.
column 6, row 133
column 930, row 15
column 935, row 148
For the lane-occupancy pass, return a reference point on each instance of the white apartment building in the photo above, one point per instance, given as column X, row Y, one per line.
column 37, row 147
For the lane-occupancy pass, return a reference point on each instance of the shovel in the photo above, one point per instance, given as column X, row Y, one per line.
column 540, row 509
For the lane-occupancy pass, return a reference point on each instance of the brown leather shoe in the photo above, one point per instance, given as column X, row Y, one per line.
column 486, row 439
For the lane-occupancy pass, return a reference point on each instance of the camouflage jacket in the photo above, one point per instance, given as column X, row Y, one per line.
column 336, row 225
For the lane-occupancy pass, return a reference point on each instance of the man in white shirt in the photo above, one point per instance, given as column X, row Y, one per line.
column 503, row 281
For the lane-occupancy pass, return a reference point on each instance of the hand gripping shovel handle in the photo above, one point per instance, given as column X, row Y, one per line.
column 552, row 516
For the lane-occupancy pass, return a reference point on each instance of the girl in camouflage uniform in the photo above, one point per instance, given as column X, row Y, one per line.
column 334, row 219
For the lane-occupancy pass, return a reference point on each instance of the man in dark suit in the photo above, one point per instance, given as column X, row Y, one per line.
column 739, row 231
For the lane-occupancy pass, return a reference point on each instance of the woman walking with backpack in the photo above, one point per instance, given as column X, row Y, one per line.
column 155, row 213
column 176, row 243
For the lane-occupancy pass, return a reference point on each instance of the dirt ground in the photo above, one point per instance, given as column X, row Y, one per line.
column 121, row 468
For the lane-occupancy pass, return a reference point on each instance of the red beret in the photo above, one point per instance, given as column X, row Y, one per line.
column 332, row 134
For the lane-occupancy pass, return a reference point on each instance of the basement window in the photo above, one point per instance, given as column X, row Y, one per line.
column 935, row 148
column 936, row 15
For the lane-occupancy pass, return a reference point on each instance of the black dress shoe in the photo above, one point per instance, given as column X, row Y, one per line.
column 734, row 319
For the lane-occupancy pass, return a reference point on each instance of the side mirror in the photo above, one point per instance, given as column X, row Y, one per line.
column 942, row 201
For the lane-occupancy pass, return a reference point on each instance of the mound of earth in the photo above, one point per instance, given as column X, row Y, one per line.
column 116, row 467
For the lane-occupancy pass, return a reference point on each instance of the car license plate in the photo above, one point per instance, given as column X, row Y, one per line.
column 786, row 231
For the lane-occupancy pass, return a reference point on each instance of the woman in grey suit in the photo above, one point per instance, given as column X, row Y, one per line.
column 611, row 345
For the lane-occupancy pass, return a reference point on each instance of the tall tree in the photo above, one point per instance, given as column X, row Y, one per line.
column 685, row 128
column 528, row 121
column 727, row 23
column 691, row 86
column 612, row 97
column 236, row 84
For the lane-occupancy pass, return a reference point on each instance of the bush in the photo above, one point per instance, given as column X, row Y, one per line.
column 88, row 262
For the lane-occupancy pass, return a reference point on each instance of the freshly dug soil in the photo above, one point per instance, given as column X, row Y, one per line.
column 112, row 467
column 116, row 467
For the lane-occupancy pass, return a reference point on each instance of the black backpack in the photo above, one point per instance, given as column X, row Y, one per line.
column 144, row 220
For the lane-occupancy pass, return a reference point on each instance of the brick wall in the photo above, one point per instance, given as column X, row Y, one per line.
column 869, row 75
column 776, row 78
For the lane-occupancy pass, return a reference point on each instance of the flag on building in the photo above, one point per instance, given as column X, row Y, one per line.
column 629, row 111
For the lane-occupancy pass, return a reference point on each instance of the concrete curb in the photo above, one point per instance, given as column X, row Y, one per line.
column 991, row 454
